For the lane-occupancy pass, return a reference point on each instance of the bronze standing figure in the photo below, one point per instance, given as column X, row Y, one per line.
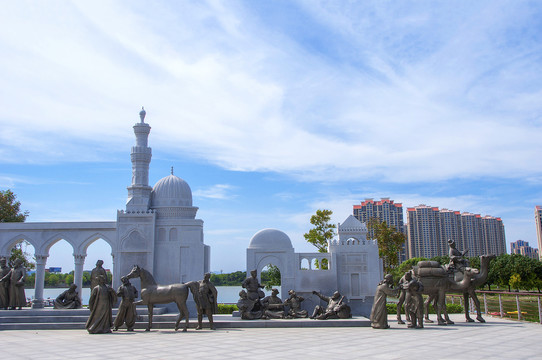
column 127, row 309
column 206, row 301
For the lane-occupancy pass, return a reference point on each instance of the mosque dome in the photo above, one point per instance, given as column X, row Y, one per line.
column 171, row 191
column 270, row 239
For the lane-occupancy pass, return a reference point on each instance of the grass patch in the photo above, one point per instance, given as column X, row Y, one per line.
column 451, row 308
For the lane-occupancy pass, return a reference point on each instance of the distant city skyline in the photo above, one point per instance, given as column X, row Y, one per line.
column 430, row 229
column 272, row 110
column 523, row 248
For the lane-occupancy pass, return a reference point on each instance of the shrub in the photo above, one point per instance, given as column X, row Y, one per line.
column 226, row 308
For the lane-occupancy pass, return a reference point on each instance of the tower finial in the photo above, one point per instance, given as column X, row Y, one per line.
column 172, row 170
column 142, row 114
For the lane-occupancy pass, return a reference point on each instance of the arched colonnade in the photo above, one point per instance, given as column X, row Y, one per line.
column 42, row 236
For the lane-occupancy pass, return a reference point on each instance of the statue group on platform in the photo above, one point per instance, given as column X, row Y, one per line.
column 253, row 305
column 432, row 279
column 12, row 280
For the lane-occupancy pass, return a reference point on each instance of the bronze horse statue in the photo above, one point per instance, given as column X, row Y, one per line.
column 152, row 293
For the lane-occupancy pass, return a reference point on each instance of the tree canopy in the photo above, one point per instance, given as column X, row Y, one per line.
column 321, row 233
column 10, row 208
column 10, row 211
column 270, row 276
column 515, row 271
column 390, row 243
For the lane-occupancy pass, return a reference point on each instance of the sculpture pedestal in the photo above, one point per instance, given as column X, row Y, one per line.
column 38, row 304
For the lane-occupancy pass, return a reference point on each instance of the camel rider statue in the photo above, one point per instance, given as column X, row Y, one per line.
column 457, row 259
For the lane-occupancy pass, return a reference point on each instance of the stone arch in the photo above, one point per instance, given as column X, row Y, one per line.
column 273, row 260
column 304, row 264
column 17, row 239
column 51, row 241
column 352, row 241
column 91, row 239
column 270, row 259
column 133, row 241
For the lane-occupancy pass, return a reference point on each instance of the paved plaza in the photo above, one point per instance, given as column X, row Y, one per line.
column 496, row 339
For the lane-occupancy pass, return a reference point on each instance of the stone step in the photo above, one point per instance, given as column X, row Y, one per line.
column 167, row 321
column 70, row 312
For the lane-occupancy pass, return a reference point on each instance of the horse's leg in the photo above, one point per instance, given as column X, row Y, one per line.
column 183, row 313
column 150, row 307
column 466, row 303
column 179, row 317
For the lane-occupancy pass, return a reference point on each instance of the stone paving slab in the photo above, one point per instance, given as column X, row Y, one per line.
column 496, row 339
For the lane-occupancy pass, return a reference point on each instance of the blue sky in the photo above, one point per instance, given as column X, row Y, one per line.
column 272, row 110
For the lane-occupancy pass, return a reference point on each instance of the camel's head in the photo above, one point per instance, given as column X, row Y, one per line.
column 134, row 273
column 471, row 271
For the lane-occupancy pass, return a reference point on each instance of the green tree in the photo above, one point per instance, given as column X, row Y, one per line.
column 10, row 208
column 270, row 277
column 474, row 262
column 52, row 280
column 443, row 260
column 499, row 271
column 322, row 232
column 232, row 279
column 68, row 279
column 19, row 252
column 390, row 243
column 405, row 266
column 10, row 211
column 515, row 281
column 86, row 278
column 30, row 281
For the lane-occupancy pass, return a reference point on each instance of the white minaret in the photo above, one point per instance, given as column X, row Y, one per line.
column 139, row 192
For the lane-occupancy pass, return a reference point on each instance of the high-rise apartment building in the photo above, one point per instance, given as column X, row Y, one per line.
column 424, row 238
column 522, row 247
column 538, row 221
column 384, row 210
column 494, row 240
column 429, row 230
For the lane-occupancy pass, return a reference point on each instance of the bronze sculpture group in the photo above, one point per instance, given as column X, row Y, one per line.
column 253, row 305
column 432, row 279
column 12, row 280
column 427, row 278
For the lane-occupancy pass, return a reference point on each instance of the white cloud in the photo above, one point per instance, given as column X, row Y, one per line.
column 431, row 95
column 218, row 191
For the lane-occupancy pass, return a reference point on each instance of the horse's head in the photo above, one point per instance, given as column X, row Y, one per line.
column 134, row 273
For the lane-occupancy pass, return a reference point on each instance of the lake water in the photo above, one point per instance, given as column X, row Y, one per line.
column 226, row 294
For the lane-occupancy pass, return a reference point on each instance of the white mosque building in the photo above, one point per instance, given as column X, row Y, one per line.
column 158, row 230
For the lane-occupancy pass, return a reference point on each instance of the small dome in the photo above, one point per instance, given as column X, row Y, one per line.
column 270, row 239
column 171, row 191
